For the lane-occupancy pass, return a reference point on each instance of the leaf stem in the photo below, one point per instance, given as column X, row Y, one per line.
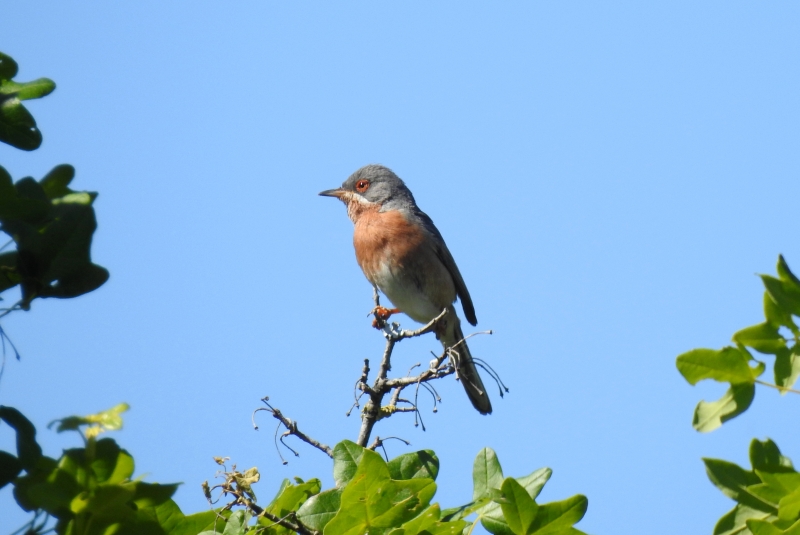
column 776, row 387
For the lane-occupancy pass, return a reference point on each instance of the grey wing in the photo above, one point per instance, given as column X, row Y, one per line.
column 447, row 259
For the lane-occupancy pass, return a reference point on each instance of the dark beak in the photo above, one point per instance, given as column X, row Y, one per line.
column 338, row 192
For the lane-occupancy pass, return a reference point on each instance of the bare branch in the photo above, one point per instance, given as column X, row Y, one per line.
column 291, row 429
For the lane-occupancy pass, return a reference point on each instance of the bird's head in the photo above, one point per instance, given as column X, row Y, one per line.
column 372, row 187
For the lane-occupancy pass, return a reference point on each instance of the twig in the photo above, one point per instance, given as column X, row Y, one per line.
column 782, row 389
column 374, row 410
column 291, row 429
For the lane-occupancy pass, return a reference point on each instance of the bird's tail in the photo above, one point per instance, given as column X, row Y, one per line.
column 466, row 371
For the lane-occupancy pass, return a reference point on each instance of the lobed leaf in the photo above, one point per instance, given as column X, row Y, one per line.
column 486, row 473
column 784, row 293
column 766, row 457
column 346, row 456
column 763, row 337
column 419, row 464
column 728, row 364
column 733, row 481
column 762, row 527
column 734, row 522
column 519, row 509
column 775, row 315
column 372, row 501
column 557, row 516
column 318, row 510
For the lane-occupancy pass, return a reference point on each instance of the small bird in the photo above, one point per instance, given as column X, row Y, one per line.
column 402, row 253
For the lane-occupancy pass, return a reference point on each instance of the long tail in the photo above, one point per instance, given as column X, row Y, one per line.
column 466, row 371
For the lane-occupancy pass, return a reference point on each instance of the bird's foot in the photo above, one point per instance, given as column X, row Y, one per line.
column 381, row 315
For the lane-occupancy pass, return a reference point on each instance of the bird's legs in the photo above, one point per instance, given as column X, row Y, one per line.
column 381, row 313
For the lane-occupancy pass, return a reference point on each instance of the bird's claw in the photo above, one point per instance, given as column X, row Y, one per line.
column 381, row 315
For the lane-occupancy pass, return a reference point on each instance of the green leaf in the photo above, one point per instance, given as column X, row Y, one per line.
column 109, row 420
column 789, row 506
column 56, row 181
column 766, row 457
column 709, row 416
column 318, row 510
column 38, row 88
column 372, row 501
column 17, row 127
column 486, row 473
column 786, row 274
column 734, row 521
column 733, row 481
column 491, row 515
column 8, row 67
column 728, row 364
column 237, row 523
column 427, row 523
column 420, row 464
column 290, row 499
column 346, row 456
column 174, row 523
column 519, row 509
column 794, row 529
column 557, row 516
column 10, row 467
column 763, row 337
column 111, row 464
column 151, row 494
column 783, row 293
column 775, row 315
column 28, row 450
column 761, row 527
column 535, row 481
column 457, row 513
column 787, row 368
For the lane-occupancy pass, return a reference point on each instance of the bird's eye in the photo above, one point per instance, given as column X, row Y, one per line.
column 362, row 186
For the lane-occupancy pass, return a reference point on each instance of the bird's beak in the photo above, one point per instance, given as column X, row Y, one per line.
column 338, row 192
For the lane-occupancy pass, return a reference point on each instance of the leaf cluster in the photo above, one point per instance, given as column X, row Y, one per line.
column 17, row 126
column 89, row 490
column 50, row 224
column 767, row 496
column 52, row 227
column 395, row 498
column 736, row 365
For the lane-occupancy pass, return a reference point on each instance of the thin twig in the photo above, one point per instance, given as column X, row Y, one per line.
column 782, row 389
column 291, row 429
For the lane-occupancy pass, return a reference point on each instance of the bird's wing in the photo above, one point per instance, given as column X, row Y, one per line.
column 443, row 253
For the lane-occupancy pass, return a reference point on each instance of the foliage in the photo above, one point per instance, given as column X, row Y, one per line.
column 778, row 335
column 51, row 225
column 89, row 490
column 17, row 127
column 768, row 496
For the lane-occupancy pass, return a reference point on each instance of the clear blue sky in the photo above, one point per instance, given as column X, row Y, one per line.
column 608, row 176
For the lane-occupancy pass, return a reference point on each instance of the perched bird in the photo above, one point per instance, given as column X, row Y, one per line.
column 402, row 253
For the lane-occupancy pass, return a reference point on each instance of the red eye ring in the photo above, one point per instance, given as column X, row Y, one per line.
column 362, row 186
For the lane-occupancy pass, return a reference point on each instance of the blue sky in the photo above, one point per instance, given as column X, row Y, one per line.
column 609, row 177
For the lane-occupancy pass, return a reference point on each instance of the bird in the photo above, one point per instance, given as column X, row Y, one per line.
column 403, row 254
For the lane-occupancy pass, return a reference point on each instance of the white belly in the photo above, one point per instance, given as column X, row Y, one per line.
column 406, row 295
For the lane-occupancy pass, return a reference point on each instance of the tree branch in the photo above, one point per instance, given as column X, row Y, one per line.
column 291, row 428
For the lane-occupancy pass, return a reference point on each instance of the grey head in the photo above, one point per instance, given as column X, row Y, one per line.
column 374, row 184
